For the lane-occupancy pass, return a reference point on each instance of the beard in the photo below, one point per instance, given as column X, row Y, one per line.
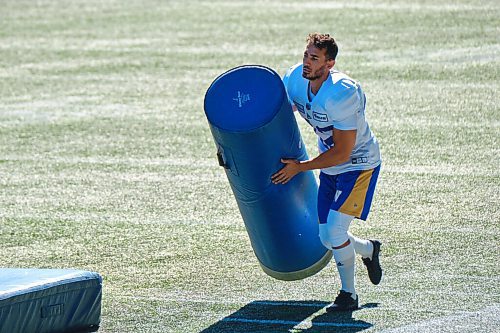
column 314, row 75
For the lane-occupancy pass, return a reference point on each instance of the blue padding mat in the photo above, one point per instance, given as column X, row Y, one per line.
column 49, row 300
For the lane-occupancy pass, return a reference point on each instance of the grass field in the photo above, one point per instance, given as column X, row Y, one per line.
column 107, row 162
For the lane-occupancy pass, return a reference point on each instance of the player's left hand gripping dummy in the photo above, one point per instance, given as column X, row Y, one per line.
column 253, row 126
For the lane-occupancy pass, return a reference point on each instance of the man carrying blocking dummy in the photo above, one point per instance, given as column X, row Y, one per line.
column 334, row 105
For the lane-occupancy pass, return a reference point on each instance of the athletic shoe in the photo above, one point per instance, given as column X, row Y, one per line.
column 373, row 266
column 343, row 302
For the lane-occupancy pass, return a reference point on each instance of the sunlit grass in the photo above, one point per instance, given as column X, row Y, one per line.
column 107, row 163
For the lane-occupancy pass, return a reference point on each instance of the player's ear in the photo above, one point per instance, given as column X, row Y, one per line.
column 330, row 63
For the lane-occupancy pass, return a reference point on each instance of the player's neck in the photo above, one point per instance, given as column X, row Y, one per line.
column 316, row 84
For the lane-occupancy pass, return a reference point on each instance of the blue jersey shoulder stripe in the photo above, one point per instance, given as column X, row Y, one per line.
column 324, row 129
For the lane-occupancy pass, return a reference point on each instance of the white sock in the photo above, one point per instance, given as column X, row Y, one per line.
column 345, row 259
column 362, row 246
column 334, row 236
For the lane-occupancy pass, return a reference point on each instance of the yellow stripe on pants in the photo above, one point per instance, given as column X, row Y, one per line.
column 356, row 200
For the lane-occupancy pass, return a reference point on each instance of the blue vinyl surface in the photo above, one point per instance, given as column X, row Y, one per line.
column 253, row 126
column 49, row 300
column 234, row 103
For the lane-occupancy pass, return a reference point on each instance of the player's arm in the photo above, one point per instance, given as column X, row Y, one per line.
column 344, row 141
column 340, row 153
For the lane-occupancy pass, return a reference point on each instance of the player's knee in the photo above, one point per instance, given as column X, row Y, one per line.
column 332, row 236
column 338, row 237
column 338, row 227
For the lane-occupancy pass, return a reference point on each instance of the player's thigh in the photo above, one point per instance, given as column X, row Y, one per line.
column 326, row 196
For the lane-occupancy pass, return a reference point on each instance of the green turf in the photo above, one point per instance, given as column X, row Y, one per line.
column 107, row 163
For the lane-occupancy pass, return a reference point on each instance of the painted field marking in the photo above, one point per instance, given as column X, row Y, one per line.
column 304, row 324
column 278, row 303
column 294, row 323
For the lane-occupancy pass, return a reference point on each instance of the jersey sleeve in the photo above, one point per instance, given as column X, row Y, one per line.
column 346, row 106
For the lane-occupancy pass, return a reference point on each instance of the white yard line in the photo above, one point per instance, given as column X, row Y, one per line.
column 131, row 161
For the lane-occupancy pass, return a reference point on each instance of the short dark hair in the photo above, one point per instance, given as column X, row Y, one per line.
column 324, row 41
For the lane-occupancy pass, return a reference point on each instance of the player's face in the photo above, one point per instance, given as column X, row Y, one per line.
column 315, row 64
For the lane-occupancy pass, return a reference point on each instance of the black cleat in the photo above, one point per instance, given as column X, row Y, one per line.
column 343, row 302
column 373, row 266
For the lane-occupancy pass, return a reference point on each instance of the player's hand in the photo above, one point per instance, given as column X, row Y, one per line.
column 291, row 168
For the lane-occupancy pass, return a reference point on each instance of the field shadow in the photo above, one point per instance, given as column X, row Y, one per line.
column 289, row 316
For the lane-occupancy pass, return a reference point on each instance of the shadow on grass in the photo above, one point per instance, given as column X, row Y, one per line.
column 293, row 316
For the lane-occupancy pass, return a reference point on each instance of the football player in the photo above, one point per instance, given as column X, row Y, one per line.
column 349, row 159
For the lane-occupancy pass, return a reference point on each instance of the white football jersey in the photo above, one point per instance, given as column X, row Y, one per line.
column 339, row 103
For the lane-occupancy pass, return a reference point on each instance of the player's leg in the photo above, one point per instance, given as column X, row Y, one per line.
column 369, row 250
column 362, row 247
column 334, row 234
column 354, row 197
column 350, row 195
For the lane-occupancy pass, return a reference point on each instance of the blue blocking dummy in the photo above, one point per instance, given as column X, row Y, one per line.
column 253, row 126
